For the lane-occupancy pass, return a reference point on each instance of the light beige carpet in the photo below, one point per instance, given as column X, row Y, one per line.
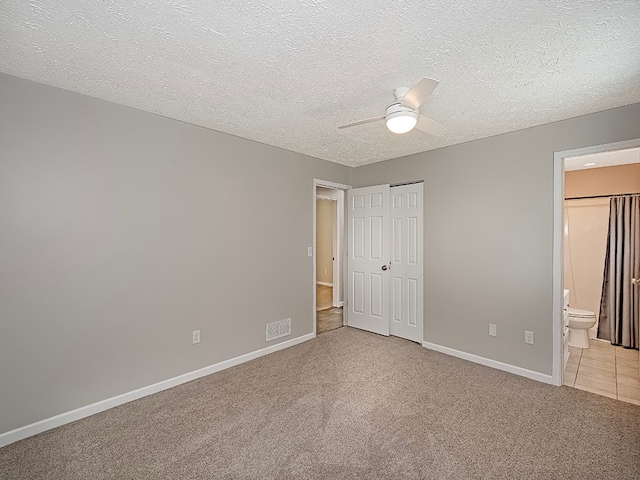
column 348, row 404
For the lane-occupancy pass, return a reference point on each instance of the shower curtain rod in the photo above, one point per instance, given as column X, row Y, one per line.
column 602, row 196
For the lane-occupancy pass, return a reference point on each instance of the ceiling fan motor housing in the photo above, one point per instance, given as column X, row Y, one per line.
column 396, row 110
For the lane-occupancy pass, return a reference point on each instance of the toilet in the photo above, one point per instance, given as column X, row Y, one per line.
column 580, row 321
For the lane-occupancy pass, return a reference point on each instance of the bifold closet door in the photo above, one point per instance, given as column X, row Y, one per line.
column 368, row 258
column 407, row 284
column 385, row 260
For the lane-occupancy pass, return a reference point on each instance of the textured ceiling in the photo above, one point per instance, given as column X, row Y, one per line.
column 288, row 72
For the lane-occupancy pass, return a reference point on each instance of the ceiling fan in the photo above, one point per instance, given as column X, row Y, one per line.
column 402, row 116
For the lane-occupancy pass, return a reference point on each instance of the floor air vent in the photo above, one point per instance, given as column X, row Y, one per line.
column 278, row 329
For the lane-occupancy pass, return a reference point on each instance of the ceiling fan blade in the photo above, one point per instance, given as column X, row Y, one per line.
column 362, row 122
column 430, row 126
column 419, row 93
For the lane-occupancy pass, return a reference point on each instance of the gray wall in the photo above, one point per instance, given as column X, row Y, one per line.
column 489, row 232
column 122, row 231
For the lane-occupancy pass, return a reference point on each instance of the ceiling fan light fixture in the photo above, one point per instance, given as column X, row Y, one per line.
column 401, row 123
column 401, row 119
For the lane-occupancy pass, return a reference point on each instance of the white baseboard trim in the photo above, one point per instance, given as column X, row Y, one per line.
column 88, row 410
column 340, row 304
column 523, row 372
column 326, row 284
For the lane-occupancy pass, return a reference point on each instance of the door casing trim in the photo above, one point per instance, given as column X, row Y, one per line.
column 558, row 248
column 335, row 186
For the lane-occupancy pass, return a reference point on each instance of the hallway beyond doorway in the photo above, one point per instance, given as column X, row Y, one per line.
column 328, row 320
column 324, row 297
column 328, row 317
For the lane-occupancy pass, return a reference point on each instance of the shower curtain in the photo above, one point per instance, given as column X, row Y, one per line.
column 620, row 301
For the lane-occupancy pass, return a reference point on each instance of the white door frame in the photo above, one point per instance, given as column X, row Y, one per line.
column 334, row 284
column 338, row 235
column 558, row 253
column 342, row 255
column 338, row 246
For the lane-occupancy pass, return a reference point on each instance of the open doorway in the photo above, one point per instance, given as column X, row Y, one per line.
column 590, row 183
column 329, row 252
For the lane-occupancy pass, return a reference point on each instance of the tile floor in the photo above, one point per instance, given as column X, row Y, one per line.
column 606, row 370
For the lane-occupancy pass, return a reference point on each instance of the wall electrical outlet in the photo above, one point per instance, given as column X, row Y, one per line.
column 309, row 252
column 528, row 337
column 493, row 330
column 196, row 336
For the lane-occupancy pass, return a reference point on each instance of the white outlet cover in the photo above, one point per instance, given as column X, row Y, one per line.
column 528, row 337
column 309, row 252
column 196, row 336
column 493, row 330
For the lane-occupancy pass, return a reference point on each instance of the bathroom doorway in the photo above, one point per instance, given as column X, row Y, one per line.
column 590, row 177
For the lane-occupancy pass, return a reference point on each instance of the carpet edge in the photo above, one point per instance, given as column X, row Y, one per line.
column 488, row 362
column 40, row 426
